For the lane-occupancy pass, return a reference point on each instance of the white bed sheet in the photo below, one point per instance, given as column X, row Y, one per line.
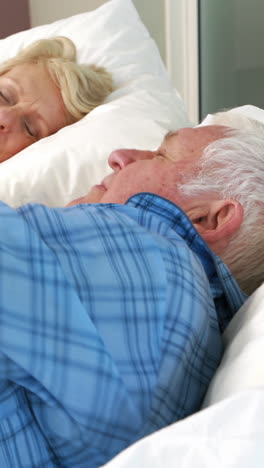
column 226, row 435
column 229, row 432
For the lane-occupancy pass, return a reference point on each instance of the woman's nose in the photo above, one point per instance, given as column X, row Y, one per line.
column 8, row 119
column 120, row 158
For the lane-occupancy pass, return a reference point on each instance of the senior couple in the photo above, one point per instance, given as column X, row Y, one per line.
column 112, row 308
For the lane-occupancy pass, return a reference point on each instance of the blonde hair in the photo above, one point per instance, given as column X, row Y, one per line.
column 83, row 86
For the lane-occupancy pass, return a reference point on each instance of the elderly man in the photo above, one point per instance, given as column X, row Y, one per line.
column 112, row 309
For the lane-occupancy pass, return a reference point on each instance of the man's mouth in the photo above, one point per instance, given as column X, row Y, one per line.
column 107, row 181
column 100, row 187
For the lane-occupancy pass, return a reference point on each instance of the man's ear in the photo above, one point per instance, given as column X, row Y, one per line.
column 217, row 221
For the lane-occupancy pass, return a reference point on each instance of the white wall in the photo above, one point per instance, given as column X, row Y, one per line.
column 47, row 11
column 171, row 23
column 151, row 13
column 182, row 51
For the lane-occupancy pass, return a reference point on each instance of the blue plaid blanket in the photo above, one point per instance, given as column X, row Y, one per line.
column 110, row 322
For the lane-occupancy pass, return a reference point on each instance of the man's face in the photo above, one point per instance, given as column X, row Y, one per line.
column 31, row 108
column 158, row 171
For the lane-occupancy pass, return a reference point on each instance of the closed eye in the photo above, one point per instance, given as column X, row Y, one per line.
column 30, row 131
column 4, row 98
column 160, row 155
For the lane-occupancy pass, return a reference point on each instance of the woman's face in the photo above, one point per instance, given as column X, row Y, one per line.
column 31, row 108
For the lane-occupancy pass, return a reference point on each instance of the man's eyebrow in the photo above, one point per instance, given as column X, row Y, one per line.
column 169, row 134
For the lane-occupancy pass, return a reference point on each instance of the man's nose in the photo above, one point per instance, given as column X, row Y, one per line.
column 120, row 158
column 8, row 119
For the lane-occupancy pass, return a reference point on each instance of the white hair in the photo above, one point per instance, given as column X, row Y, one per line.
column 233, row 167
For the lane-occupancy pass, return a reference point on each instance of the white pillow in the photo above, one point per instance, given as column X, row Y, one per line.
column 144, row 107
column 226, row 435
column 241, row 367
column 248, row 110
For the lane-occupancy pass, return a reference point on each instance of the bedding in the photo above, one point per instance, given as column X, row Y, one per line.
column 229, row 431
column 226, row 435
column 248, row 110
column 143, row 107
column 241, row 367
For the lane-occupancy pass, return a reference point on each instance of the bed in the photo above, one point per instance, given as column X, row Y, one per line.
column 228, row 431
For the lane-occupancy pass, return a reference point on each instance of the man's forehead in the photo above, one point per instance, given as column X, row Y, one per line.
column 207, row 129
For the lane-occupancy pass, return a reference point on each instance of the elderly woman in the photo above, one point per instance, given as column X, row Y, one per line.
column 43, row 89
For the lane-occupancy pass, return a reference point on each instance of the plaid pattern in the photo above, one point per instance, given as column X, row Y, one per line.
column 109, row 327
